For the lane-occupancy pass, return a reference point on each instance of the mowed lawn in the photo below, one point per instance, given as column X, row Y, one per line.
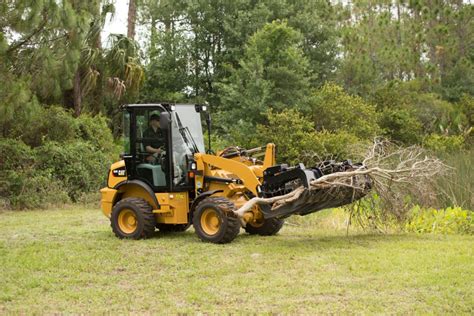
column 69, row 261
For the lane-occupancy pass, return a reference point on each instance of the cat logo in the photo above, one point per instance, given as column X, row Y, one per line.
column 119, row 172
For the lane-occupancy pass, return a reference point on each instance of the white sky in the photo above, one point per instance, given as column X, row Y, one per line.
column 118, row 24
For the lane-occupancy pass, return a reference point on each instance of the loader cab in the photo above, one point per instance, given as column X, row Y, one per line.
column 179, row 137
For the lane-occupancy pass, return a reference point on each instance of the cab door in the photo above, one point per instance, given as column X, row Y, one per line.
column 153, row 169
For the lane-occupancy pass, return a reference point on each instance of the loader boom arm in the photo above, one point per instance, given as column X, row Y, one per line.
column 241, row 170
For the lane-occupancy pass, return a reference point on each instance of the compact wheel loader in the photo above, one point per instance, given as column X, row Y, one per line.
column 167, row 181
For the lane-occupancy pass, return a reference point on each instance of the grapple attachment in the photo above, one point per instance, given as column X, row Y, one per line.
column 281, row 179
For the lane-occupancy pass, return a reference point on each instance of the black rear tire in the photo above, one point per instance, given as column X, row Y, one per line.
column 268, row 227
column 141, row 220
column 214, row 220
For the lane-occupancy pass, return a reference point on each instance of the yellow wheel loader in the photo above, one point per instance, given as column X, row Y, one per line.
column 167, row 181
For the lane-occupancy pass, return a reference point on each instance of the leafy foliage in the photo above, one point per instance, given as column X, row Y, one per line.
column 333, row 109
column 384, row 41
column 77, row 165
column 401, row 125
column 273, row 73
column 452, row 220
column 298, row 141
column 54, row 159
column 444, row 143
column 22, row 186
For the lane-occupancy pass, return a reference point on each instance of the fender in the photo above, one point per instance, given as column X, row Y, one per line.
column 141, row 184
column 201, row 197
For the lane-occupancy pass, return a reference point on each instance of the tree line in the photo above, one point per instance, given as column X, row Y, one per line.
column 316, row 77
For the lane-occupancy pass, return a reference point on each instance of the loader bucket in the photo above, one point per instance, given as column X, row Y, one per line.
column 311, row 200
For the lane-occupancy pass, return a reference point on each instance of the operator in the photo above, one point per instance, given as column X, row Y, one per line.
column 153, row 139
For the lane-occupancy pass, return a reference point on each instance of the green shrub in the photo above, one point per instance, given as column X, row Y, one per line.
column 50, row 124
column 401, row 125
column 95, row 130
column 22, row 185
column 324, row 145
column 58, row 125
column 444, row 143
column 78, row 165
column 27, row 190
column 452, row 220
column 335, row 110
column 426, row 108
column 54, row 157
column 15, row 155
column 289, row 130
column 298, row 141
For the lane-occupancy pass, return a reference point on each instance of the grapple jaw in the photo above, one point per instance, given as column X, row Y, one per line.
column 280, row 180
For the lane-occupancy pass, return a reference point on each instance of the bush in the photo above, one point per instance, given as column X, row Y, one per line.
column 426, row 108
column 50, row 124
column 23, row 185
column 15, row 155
column 401, row 125
column 444, row 143
column 290, row 132
column 27, row 190
column 78, row 165
column 54, row 157
column 298, row 141
column 325, row 145
column 95, row 130
column 334, row 110
column 452, row 220
column 58, row 125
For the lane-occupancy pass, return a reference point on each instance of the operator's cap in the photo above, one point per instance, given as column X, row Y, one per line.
column 155, row 117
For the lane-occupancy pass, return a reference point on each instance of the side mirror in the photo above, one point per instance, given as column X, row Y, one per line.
column 165, row 120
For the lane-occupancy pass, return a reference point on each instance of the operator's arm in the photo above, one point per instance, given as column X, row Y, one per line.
column 152, row 150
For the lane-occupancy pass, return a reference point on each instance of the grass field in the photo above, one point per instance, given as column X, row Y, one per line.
column 69, row 261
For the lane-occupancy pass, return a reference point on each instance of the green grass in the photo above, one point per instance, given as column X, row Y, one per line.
column 69, row 261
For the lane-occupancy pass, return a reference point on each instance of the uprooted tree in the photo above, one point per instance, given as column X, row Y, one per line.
column 398, row 177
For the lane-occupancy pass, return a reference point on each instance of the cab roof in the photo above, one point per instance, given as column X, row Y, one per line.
column 165, row 106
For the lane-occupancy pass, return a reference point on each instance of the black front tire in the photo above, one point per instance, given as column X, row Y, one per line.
column 227, row 224
column 268, row 227
column 141, row 210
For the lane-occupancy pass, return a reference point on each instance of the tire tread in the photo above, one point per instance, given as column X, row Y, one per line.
column 145, row 209
column 233, row 223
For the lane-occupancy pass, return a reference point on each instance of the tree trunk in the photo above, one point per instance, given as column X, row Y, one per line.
column 399, row 38
column 132, row 15
column 153, row 37
column 77, row 91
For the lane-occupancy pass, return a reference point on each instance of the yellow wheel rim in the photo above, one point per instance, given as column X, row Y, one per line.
column 127, row 221
column 210, row 221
